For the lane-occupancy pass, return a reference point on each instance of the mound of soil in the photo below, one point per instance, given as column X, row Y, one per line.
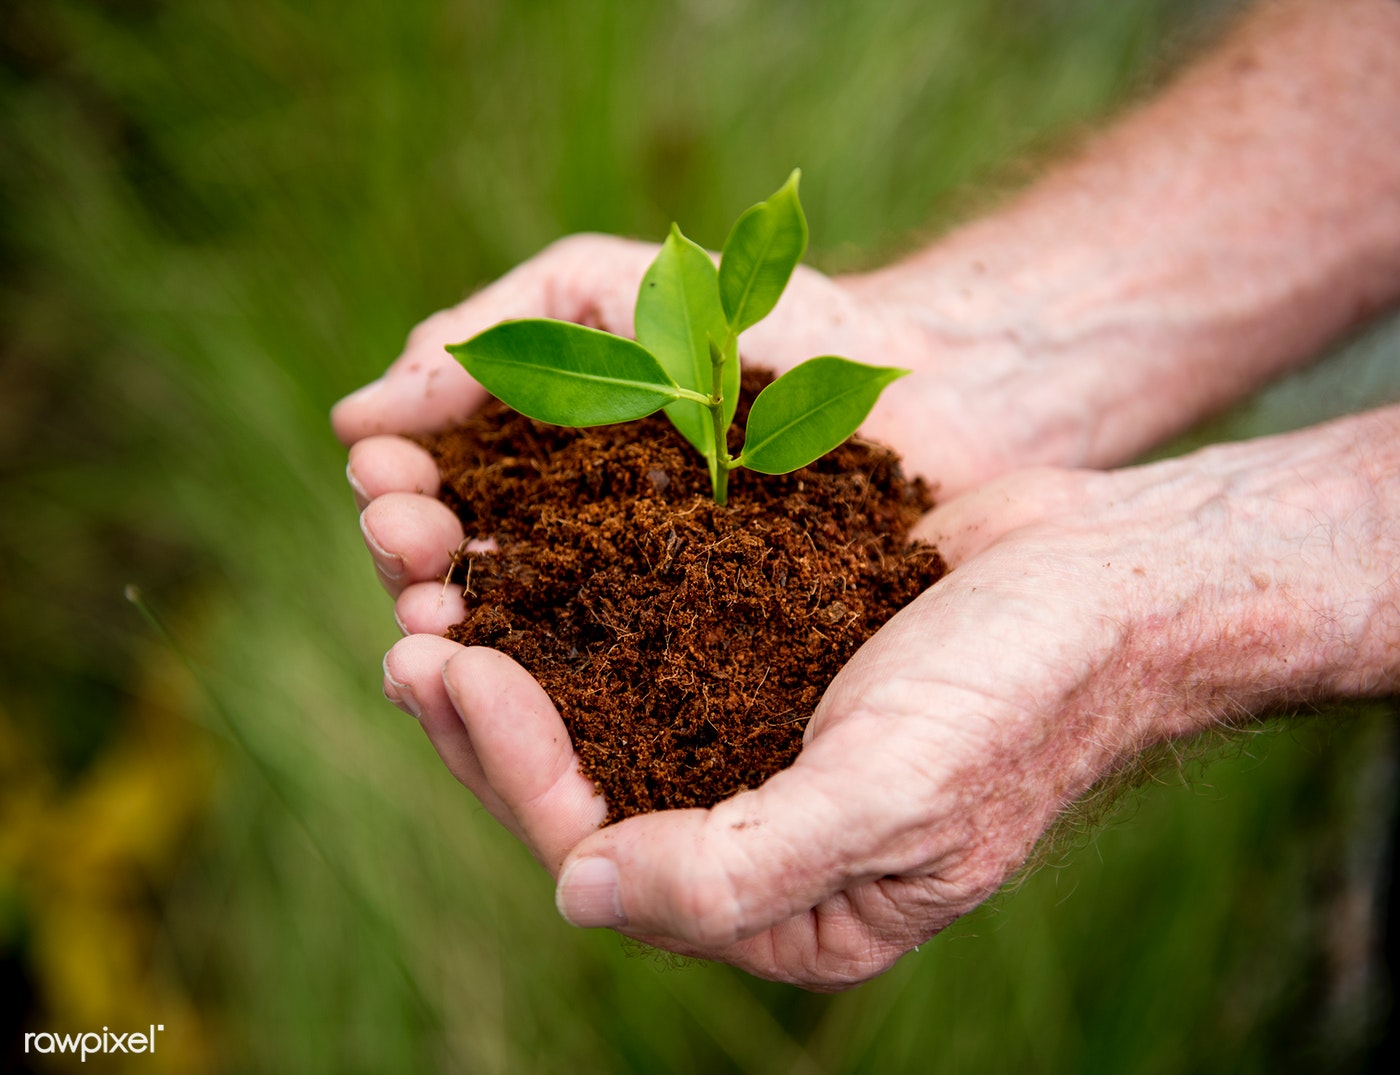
column 685, row 644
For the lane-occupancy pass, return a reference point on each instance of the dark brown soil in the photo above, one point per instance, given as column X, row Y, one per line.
column 684, row 644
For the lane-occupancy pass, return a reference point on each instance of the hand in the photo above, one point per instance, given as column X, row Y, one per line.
column 1088, row 615
column 960, row 391
column 958, row 420
column 930, row 768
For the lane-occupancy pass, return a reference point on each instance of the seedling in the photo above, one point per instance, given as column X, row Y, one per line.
column 685, row 359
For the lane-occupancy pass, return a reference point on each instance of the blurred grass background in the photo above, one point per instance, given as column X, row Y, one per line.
column 218, row 218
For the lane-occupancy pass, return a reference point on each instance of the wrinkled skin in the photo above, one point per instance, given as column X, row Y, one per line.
column 1206, row 242
column 962, row 399
column 1088, row 615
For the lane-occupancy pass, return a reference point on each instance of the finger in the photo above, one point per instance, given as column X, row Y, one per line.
column 587, row 278
column 430, row 608
column 711, row 878
column 971, row 523
column 816, row 315
column 413, row 682
column 389, row 464
column 425, row 389
column 844, row 940
column 411, row 538
column 525, row 752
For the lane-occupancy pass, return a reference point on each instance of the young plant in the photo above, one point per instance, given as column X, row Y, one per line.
column 685, row 360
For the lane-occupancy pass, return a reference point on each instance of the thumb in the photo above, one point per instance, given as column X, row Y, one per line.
column 709, row 878
column 972, row 522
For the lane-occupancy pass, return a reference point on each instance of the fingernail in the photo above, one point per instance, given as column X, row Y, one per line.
column 588, row 894
column 453, row 695
column 390, row 563
column 361, row 496
column 401, row 694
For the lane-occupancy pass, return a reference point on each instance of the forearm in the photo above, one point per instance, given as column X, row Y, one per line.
column 1211, row 240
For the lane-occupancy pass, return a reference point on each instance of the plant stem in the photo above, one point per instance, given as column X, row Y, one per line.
column 723, row 460
column 694, row 397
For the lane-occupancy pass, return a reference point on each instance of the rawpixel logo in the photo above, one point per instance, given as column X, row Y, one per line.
column 93, row 1043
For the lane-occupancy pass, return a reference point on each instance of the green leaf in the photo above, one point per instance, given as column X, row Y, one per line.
column 810, row 410
column 565, row 374
column 678, row 311
column 763, row 248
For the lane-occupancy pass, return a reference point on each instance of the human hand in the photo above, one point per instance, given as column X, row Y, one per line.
column 1088, row 616
column 960, row 392
column 943, row 423
column 961, row 418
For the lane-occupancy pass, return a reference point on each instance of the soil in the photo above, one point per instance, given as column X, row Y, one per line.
column 684, row 644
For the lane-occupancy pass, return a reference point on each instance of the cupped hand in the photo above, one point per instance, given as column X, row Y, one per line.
column 1087, row 616
column 951, row 421
column 948, row 420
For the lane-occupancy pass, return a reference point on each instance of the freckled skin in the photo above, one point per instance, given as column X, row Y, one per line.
column 1208, row 241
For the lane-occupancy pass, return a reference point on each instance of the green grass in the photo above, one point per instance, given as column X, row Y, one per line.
column 222, row 216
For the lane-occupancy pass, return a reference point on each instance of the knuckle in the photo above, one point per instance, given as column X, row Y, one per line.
column 571, row 249
column 707, row 911
column 849, row 971
column 434, row 331
column 961, row 886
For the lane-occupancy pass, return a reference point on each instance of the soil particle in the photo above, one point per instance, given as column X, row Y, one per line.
column 685, row 644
